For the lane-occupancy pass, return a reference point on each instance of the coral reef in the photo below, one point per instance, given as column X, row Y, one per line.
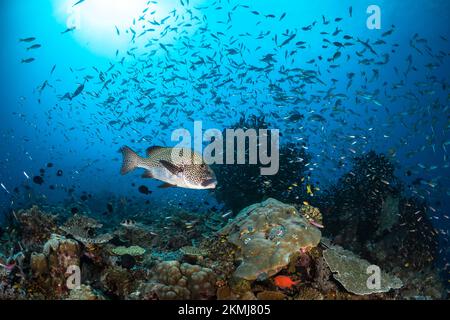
column 60, row 253
column 352, row 272
column 267, row 234
column 85, row 293
column 139, row 235
column 270, row 295
column 117, row 281
column 132, row 251
column 366, row 213
column 35, row 228
column 264, row 242
column 83, row 229
column 172, row 280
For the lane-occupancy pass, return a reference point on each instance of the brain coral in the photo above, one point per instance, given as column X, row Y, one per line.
column 174, row 281
column 267, row 234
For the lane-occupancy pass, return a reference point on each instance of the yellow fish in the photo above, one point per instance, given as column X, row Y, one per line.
column 308, row 190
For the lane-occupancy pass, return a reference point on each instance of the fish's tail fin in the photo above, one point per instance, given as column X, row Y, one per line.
column 131, row 160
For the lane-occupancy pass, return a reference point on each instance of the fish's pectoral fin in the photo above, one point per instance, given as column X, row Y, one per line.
column 166, row 185
column 171, row 167
column 147, row 174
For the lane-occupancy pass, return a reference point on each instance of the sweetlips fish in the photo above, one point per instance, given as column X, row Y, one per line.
column 179, row 167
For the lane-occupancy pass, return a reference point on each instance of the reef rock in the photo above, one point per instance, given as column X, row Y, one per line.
column 353, row 272
column 267, row 234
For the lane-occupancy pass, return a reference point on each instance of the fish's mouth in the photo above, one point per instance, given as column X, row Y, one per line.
column 209, row 183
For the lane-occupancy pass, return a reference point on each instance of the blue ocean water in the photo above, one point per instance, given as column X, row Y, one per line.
column 150, row 67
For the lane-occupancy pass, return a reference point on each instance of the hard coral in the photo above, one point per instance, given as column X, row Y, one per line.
column 172, row 280
column 36, row 227
column 267, row 234
column 132, row 251
column 352, row 272
column 117, row 281
column 83, row 229
column 50, row 268
column 85, row 293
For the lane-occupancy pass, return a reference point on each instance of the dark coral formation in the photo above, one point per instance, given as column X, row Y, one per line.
column 367, row 213
column 240, row 185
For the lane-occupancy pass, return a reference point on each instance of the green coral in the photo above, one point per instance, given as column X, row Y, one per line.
column 353, row 272
column 132, row 251
column 193, row 251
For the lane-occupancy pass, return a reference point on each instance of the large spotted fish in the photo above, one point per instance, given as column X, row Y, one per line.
column 179, row 167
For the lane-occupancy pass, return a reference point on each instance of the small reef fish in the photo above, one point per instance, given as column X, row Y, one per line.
column 34, row 46
column 29, row 60
column 285, row 282
column 4, row 188
column 128, row 223
column 30, row 39
column 77, row 3
column 186, row 170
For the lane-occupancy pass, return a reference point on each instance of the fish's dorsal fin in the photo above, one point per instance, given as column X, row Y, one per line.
column 152, row 150
column 166, row 185
column 171, row 167
column 147, row 174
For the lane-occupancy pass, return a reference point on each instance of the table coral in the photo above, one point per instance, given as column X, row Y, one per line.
column 83, row 229
column 352, row 272
column 132, row 251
